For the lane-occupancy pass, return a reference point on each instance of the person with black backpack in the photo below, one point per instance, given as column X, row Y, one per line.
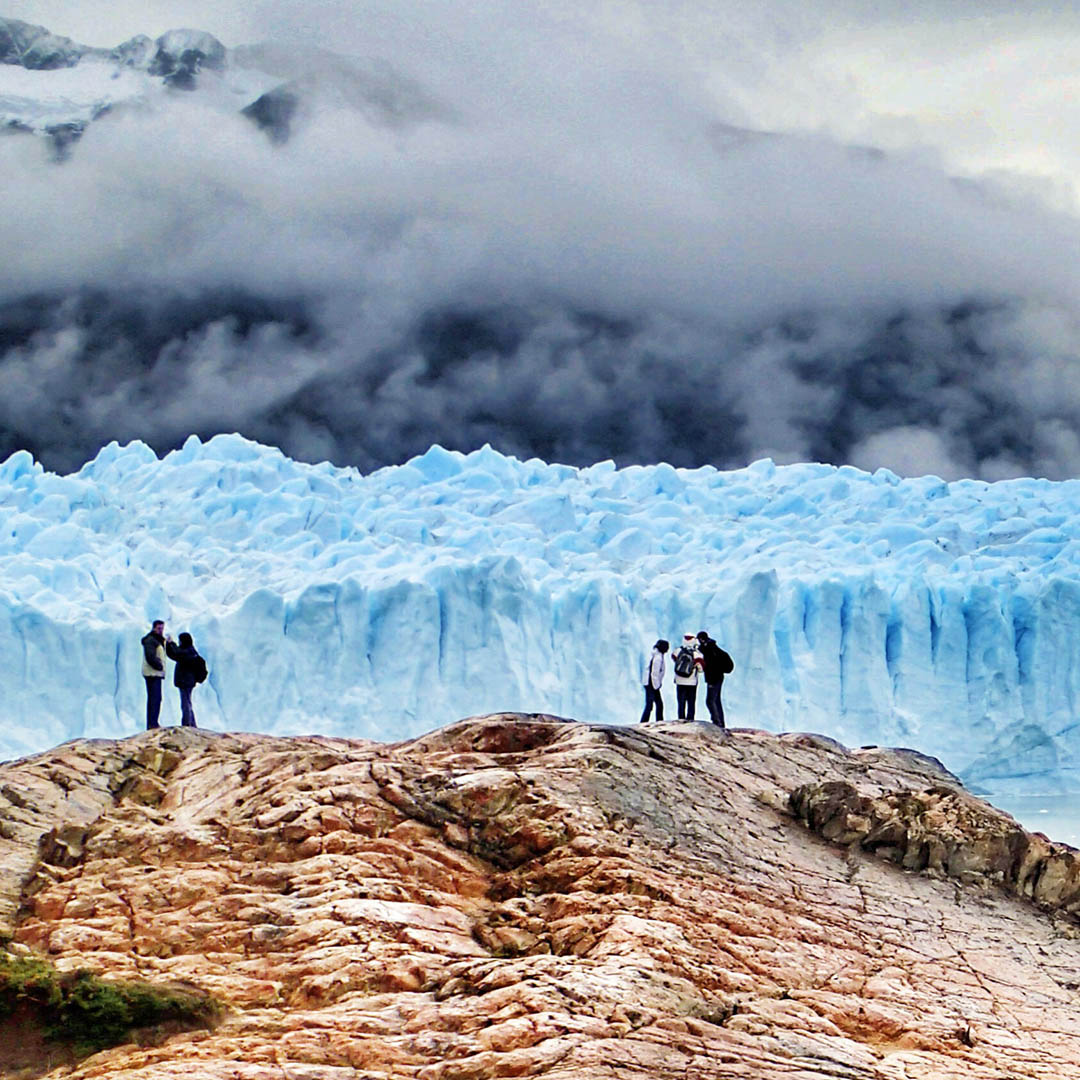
column 688, row 663
column 716, row 664
column 190, row 671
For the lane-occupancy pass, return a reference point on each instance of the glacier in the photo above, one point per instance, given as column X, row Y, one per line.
column 867, row 607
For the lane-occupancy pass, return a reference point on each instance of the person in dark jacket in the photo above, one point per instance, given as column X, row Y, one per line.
column 153, row 669
column 715, row 664
column 190, row 671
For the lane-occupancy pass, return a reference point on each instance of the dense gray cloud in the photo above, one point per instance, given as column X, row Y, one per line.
column 586, row 252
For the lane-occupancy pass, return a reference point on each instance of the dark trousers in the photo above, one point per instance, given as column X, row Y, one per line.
column 652, row 697
column 153, row 701
column 712, row 703
column 687, row 696
column 187, row 713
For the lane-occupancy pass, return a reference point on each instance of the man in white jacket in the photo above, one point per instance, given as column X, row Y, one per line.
column 653, row 679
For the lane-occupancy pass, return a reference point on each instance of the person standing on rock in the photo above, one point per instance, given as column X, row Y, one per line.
column 687, row 664
column 716, row 664
column 653, row 679
column 190, row 671
column 153, row 669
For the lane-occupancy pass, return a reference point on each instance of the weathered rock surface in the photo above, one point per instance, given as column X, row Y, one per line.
column 522, row 896
column 945, row 832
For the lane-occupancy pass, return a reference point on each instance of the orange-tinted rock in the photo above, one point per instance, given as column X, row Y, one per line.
column 523, row 896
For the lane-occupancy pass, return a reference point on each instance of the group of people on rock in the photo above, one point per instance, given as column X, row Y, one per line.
column 699, row 656
column 189, row 672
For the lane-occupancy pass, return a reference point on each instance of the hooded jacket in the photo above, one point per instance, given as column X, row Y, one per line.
column 185, row 657
column 153, row 664
column 717, row 662
column 653, row 675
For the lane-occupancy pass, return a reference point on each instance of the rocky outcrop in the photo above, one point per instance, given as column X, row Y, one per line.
column 524, row 896
column 136, row 52
column 946, row 832
column 182, row 54
column 274, row 112
column 322, row 80
column 35, row 48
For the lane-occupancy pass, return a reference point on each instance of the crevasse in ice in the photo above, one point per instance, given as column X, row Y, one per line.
column 874, row 609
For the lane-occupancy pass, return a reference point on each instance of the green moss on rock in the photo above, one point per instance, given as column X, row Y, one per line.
column 89, row 1013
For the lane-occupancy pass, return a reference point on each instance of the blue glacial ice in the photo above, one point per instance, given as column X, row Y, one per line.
column 874, row 609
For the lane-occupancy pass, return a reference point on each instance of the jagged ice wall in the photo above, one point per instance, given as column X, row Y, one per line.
column 874, row 609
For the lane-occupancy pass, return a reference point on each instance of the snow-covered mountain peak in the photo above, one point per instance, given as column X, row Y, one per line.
column 182, row 55
column 136, row 52
column 35, row 48
column 53, row 86
column 173, row 44
column 274, row 85
column 38, row 49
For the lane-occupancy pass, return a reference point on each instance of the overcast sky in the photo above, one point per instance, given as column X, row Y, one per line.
column 988, row 83
column 579, row 192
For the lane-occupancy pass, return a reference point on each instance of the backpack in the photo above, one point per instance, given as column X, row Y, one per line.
column 199, row 669
column 684, row 662
column 717, row 662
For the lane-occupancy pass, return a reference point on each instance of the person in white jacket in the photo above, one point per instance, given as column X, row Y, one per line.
column 653, row 679
column 686, row 685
